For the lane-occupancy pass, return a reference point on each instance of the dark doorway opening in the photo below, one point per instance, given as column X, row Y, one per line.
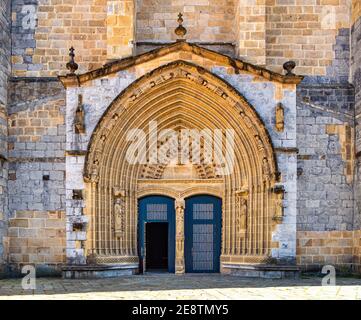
column 156, row 246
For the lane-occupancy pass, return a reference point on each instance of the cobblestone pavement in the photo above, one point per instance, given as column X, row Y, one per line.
column 165, row 286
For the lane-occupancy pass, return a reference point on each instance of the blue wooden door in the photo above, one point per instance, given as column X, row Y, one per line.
column 203, row 225
column 155, row 209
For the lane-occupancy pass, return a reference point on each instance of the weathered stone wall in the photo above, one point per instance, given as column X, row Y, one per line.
column 326, row 142
column 205, row 20
column 5, row 47
column 306, row 31
column 37, row 167
column 251, row 30
column 120, row 25
column 43, row 50
column 341, row 249
column 313, row 33
column 37, row 237
column 325, row 139
column 317, row 249
column 356, row 80
column 356, row 251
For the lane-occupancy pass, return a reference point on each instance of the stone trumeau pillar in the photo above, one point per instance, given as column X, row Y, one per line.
column 179, row 255
column 5, row 69
column 120, row 28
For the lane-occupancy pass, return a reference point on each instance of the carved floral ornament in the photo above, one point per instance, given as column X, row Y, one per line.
column 179, row 70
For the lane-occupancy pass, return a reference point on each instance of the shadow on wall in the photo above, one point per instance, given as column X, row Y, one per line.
column 42, row 271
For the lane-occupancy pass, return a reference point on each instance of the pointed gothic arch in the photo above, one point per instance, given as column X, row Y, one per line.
column 180, row 94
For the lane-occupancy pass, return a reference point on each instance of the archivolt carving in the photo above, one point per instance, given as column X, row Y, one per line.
column 153, row 191
column 204, row 170
column 178, row 70
column 174, row 95
column 213, row 191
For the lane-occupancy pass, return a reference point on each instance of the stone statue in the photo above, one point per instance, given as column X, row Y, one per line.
column 280, row 117
column 119, row 216
column 247, row 120
column 94, row 170
column 79, row 117
column 278, row 210
column 242, row 216
column 179, row 238
column 180, row 220
column 266, row 170
column 260, row 145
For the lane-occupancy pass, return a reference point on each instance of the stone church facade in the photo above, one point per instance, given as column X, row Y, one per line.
column 283, row 75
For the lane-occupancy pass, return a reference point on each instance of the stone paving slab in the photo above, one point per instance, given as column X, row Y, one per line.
column 166, row 286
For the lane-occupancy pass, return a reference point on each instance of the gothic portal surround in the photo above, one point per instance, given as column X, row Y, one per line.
column 178, row 95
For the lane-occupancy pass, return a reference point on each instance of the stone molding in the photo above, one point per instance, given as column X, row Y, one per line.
column 123, row 64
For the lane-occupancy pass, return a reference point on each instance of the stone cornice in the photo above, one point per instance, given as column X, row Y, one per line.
column 286, row 150
column 123, row 64
column 75, row 152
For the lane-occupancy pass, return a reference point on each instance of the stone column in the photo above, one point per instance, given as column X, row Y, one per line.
column 179, row 243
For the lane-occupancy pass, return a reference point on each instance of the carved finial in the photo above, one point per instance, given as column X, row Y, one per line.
column 72, row 66
column 289, row 66
column 180, row 31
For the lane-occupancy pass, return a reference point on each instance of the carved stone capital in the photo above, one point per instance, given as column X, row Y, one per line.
column 118, row 192
column 243, row 192
column 180, row 205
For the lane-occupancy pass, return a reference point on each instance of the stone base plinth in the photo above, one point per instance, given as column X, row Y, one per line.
column 99, row 271
column 261, row 271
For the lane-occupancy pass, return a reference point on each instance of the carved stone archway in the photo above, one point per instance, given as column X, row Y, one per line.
column 178, row 95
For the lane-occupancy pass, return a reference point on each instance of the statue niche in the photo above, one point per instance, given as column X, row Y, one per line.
column 119, row 212
column 242, row 212
column 279, row 208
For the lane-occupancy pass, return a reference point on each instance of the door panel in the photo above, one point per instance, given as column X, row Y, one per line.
column 203, row 234
column 157, row 209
